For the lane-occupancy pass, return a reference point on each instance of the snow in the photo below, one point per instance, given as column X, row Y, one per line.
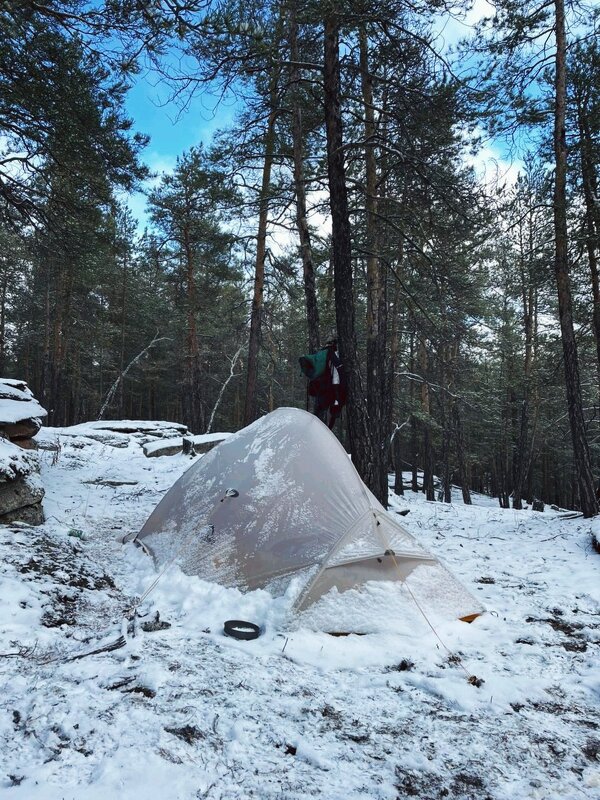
column 17, row 402
column 186, row 712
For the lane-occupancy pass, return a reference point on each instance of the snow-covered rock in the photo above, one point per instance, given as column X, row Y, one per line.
column 171, row 447
column 21, row 490
column 20, row 413
column 119, row 433
column 160, row 428
column 22, row 500
column 15, row 463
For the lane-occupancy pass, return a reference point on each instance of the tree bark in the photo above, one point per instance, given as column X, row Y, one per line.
column 447, row 477
column 308, row 270
column 250, row 407
column 425, row 408
column 124, row 276
column 521, row 458
column 463, row 474
column 191, row 381
column 397, row 448
column 4, row 290
column 377, row 396
column 592, row 214
column 583, row 468
column 359, row 434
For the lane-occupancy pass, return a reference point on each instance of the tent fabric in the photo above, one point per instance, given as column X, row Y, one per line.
column 279, row 498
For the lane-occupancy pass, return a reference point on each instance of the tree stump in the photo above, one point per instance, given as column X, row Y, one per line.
column 188, row 446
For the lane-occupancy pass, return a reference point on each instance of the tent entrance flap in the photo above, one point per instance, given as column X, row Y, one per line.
column 353, row 574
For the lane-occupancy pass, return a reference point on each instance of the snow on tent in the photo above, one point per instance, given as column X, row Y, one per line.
column 281, row 499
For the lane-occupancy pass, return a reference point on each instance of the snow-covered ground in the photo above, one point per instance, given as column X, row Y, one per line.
column 183, row 712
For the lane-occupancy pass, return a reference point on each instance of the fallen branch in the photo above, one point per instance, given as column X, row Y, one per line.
column 116, row 645
column 113, row 389
column 233, row 362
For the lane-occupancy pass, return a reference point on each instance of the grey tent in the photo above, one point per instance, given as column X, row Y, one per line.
column 281, row 498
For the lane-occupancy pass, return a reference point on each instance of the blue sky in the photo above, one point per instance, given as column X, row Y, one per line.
column 172, row 130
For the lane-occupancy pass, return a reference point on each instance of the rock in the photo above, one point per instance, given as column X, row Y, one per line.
column 188, row 448
column 21, row 490
column 120, row 433
column 32, row 515
column 109, row 438
column 14, row 463
column 25, row 429
column 155, row 428
column 27, row 444
column 21, row 499
column 166, row 448
column 202, row 443
column 20, row 413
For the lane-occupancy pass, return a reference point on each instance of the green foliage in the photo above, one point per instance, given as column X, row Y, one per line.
column 60, row 112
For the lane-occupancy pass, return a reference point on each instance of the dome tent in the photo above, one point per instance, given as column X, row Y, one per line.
column 279, row 499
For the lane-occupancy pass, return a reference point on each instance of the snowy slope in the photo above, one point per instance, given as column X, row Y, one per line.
column 185, row 712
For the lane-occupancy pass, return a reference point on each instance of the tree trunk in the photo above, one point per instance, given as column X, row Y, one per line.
column 592, row 215
column 425, row 408
column 397, row 447
column 359, row 434
column 250, row 408
column 447, row 478
column 463, row 474
column 123, row 329
column 191, row 381
column 391, row 391
column 4, row 290
column 414, row 447
column 308, row 271
column 520, row 456
column 377, row 396
column 502, row 480
column 414, row 454
column 585, row 481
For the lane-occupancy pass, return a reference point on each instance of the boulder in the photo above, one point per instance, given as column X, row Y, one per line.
column 120, row 433
column 20, row 413
column 21, row 491
column 25, row 429
column 22, row 499
column 15, row 463
column 30, row 515
column 201, row 443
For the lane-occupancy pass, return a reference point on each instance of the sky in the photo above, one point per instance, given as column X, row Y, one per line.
column 173, row 129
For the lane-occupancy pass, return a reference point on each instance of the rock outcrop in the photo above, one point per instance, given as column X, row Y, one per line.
column 20, row 413
column 21, row 491
column 201, row 443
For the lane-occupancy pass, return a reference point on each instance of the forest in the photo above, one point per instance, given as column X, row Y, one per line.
column 347, row 195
